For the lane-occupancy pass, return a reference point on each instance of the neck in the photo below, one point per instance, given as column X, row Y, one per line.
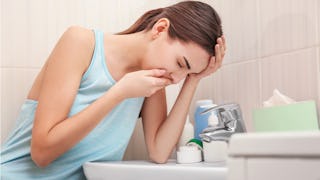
column 125, row 53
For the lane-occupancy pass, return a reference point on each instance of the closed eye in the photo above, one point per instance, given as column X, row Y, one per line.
column 187, row 62
column 179, row 64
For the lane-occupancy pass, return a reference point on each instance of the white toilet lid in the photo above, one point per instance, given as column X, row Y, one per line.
column 284, row 144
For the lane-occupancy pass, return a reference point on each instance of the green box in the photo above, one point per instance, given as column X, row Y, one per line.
column 301, row 116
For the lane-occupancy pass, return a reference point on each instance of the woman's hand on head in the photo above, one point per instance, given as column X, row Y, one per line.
column 143, row 83
column 215, row 62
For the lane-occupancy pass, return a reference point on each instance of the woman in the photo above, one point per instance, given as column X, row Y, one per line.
column 85, row 101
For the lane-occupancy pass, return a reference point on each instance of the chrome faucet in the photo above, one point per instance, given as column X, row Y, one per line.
column 229, row 122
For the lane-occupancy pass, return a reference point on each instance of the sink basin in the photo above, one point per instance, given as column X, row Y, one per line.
column 147, row 170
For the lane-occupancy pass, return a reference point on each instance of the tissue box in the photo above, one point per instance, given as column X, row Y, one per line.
column 300, row 116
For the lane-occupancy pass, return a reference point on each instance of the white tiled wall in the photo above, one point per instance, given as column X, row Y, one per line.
column 287, row 25
column 271, row 44
column 293, row 73
column 318, row 10
column 1, row 83
column 318, row 75
column 15, row 83
column 239, row 24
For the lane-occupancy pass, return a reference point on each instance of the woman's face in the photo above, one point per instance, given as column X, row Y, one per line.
column 177, row 58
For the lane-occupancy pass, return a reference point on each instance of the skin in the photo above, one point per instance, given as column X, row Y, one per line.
column 144, row 62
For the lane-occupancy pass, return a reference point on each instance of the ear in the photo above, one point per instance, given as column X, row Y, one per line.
column 161, row 26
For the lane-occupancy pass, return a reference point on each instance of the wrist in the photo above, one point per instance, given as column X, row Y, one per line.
column 193, row 79
column 117, row 93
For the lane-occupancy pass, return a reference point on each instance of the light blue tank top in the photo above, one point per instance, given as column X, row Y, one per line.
column 107, row 142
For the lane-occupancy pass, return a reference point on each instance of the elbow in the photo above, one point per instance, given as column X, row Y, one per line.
column 158, row 158
column 39, row 157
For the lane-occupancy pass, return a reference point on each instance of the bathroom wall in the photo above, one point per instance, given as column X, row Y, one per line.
column 271, row 44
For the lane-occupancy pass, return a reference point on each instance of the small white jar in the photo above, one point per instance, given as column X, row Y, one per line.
column 215, row 151
column 189, row 154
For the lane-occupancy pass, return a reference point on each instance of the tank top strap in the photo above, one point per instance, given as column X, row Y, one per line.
column 98, row 64
column 99, row 36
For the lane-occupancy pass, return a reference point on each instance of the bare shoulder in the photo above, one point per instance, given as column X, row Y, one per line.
column 73, row 50
column 79, row 36
column 79, row 33
column 78, row 42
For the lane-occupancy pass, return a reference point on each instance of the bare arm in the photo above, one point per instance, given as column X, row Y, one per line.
column 54, row 133
column 162, row 132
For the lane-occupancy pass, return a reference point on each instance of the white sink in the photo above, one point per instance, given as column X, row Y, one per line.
column 121, row 170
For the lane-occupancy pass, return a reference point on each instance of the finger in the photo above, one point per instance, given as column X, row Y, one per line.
column 155, row 72
column 162, row 81
column 220, row 42
column 224, row 42
column 218, row 55
column 222, row 50
column 211, row 67
column 212, row 62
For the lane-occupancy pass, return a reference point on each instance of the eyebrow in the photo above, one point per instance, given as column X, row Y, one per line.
column 187, row 62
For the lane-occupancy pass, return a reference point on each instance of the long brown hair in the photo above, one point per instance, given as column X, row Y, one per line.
column 191, row 21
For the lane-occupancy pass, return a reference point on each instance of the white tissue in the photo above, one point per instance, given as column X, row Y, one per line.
column 277, row 99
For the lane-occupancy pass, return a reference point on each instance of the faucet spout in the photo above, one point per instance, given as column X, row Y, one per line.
column 229, row 122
